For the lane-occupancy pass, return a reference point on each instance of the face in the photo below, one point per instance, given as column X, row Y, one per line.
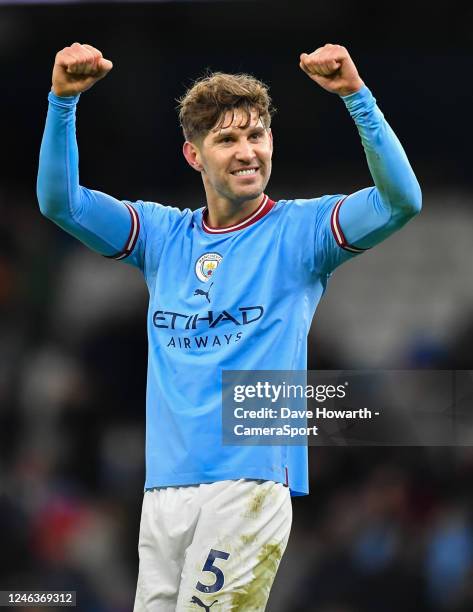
column 235, row 161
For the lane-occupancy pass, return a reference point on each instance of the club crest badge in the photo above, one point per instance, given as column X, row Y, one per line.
column 206, row 265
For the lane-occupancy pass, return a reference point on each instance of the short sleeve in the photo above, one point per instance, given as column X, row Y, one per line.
column 331, row 248
column 151, row 224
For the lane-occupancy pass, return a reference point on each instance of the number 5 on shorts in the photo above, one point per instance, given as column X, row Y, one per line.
column 210, row 567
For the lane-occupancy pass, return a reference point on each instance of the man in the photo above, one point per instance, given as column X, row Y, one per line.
column 232, row 286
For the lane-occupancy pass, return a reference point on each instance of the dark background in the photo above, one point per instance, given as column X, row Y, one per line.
column 384, row 528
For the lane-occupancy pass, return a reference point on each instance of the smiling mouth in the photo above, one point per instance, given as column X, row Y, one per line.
column 245, row 172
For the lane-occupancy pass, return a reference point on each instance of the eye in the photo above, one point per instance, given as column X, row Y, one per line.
column 257, row 135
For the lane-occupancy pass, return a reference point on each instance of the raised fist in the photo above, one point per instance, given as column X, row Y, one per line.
column 77, row 68
column 332, row 68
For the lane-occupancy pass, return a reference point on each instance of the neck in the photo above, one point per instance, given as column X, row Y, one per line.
column 223, row 212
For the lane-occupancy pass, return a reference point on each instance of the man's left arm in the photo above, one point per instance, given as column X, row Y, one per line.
column 366, row 217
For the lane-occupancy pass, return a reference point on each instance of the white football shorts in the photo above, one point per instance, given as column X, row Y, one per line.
column 211, row 547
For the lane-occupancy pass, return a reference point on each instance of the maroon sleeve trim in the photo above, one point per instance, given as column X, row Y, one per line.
column 132, row 238
column 337, row 230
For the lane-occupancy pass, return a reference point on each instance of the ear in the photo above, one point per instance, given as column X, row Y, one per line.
column 192, row 155
column 270, row 134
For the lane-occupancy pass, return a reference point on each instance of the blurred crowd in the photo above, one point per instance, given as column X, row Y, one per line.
column 384, row 529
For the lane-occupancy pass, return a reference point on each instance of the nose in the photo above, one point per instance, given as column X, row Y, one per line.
column 245, row 152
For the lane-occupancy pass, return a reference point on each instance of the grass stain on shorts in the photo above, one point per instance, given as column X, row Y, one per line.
column 248, row 539
column 256, row 503
column 254, row 595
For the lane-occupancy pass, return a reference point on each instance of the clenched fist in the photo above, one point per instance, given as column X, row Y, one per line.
column 332, row 68
column 77, row 68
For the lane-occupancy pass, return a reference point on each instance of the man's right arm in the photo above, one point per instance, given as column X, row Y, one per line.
column 98, row 220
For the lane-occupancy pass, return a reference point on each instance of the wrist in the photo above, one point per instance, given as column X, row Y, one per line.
column 63, row 100
column 352, row 89
column 62, row 93
column 362, row 101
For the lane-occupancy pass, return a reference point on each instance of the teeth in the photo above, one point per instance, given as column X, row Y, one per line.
column 242, row 172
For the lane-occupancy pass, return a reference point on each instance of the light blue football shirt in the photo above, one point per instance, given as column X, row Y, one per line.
column 239, row 298
column 242, row 299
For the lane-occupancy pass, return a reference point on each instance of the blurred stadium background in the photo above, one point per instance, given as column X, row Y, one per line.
column 384, row 529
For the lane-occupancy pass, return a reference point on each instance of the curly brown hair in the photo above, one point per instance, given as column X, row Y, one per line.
column 206, row 102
